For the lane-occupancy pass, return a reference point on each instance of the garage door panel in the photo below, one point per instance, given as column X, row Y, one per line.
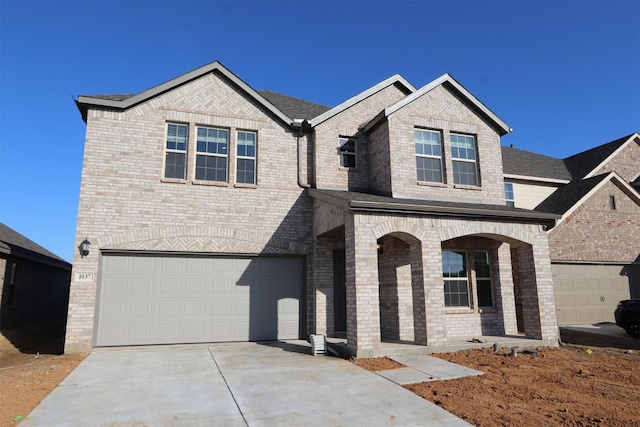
column 587, row 294
column 155, row 299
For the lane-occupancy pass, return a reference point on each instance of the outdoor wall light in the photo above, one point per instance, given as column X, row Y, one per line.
column 380, row 248
column 84, row 247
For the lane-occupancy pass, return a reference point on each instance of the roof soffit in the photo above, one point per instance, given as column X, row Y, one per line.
column 84, row 102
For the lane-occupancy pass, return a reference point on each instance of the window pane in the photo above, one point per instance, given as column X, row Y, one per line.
column 246, row 171
column 348, row 160
column 175, row 165
column 427, row 142
column 454, row 264
column 464, row 173
column 211, row 168
column 429, row 169
column 176, row 137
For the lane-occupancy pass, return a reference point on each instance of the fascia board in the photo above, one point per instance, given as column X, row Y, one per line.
column 173, row 83
column 613, row 177
column 445, row 78
column 397, row 78
column 612, row 155
column 536, row 178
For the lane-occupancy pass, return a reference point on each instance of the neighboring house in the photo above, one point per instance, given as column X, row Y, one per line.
column 34, row 283
column 216, row 212
column 595, row 245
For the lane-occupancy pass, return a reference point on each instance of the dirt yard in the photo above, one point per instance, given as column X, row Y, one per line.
column 596, row 383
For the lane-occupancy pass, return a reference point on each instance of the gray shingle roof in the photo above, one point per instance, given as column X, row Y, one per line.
column 520, row 162
column 561, row 200
column 111, row 97
column 16, row 244
column 579, row 165
column 294, row 107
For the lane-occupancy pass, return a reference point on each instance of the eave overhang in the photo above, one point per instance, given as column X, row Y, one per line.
column 84, row 103
column 353, row 202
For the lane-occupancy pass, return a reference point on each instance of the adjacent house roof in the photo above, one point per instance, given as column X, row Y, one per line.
column 123, row 102
column 567, row 198
column 355, row 201
column 526, row 165
column 14, row 243
column 584, row 165
column 450, row 83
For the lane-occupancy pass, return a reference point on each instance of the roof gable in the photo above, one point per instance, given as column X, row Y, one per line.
column 396, row 79
column 124, row 102
column 451, row 83
column 585, row 164
column 14, row 243
column 568, row 198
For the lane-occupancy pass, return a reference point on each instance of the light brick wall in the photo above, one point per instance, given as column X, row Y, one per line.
column 594, row 232
column 626, row 163
column 440, row 110
column 124, row 203
column 328, row 173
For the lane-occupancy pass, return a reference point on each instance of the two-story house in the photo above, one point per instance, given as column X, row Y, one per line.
column 595, row 244
column 216, row 212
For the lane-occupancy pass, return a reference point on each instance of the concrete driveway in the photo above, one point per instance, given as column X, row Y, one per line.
column 243, row 384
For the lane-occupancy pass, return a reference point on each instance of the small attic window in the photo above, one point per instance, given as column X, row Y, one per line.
column 612, row 203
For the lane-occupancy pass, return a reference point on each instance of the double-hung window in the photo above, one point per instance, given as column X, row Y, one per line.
column 246, row 158
column 428, row 155
column 456, row 279
column 482, row 267
column 212, row 146
column 347, row 152
column 463, row 156
column 508, row 194
column 175, row 162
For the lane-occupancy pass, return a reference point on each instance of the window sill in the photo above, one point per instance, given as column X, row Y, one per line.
column 458, row 310
column 245, row 185
column 174, row 180
column 342, row 168
column 210, row 183
column 468, row 187
column 432, row 184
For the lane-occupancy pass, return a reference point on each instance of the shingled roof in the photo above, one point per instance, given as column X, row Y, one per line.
column 525, row 163
column 581, row 164
column 14, row 243
column 294, row 107
column 561, row 200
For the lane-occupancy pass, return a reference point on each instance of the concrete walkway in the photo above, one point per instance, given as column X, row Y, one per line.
column 243, row 384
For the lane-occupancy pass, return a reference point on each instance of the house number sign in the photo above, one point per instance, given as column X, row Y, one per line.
column 84, row 277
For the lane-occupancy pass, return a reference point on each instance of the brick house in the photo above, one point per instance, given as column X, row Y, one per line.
column 595, row 244
column 216, row 212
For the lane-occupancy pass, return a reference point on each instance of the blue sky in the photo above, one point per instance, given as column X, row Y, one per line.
column 564, row 75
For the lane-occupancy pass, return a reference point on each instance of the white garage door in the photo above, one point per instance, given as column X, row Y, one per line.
column 587, row 294
column 168, row 300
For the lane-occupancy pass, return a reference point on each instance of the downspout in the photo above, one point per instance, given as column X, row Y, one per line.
column 297, row 124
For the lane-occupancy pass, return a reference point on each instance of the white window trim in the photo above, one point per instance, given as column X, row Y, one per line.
column 171, row 150
column 204, row 153
column 341, row 142
column 254, row 158
column 431, row 156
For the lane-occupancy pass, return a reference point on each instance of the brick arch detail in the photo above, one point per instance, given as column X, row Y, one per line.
column 201, row 239
column 399, row 226
column 506, row 232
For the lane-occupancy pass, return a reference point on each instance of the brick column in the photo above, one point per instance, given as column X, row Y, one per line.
column 505, row 294
column 419, row 294
column 322, row 292
column 433, row 291
column 363, row 304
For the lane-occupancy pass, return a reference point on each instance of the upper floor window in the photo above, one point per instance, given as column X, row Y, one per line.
column 428, row 155
column 211, row 154
column 246, row 168
column 463, row 155
column 347, row 151
column 508, row 194
column 175, row 163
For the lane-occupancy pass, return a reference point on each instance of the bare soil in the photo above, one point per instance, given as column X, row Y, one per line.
column 31, row 366
column 593, row 384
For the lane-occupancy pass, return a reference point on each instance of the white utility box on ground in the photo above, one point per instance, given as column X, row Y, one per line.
column 318, row 344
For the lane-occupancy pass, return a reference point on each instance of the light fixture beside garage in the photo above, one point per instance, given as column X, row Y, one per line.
column 84, row 247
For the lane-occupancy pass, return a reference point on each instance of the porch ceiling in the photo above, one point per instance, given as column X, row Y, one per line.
column 364, row 202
